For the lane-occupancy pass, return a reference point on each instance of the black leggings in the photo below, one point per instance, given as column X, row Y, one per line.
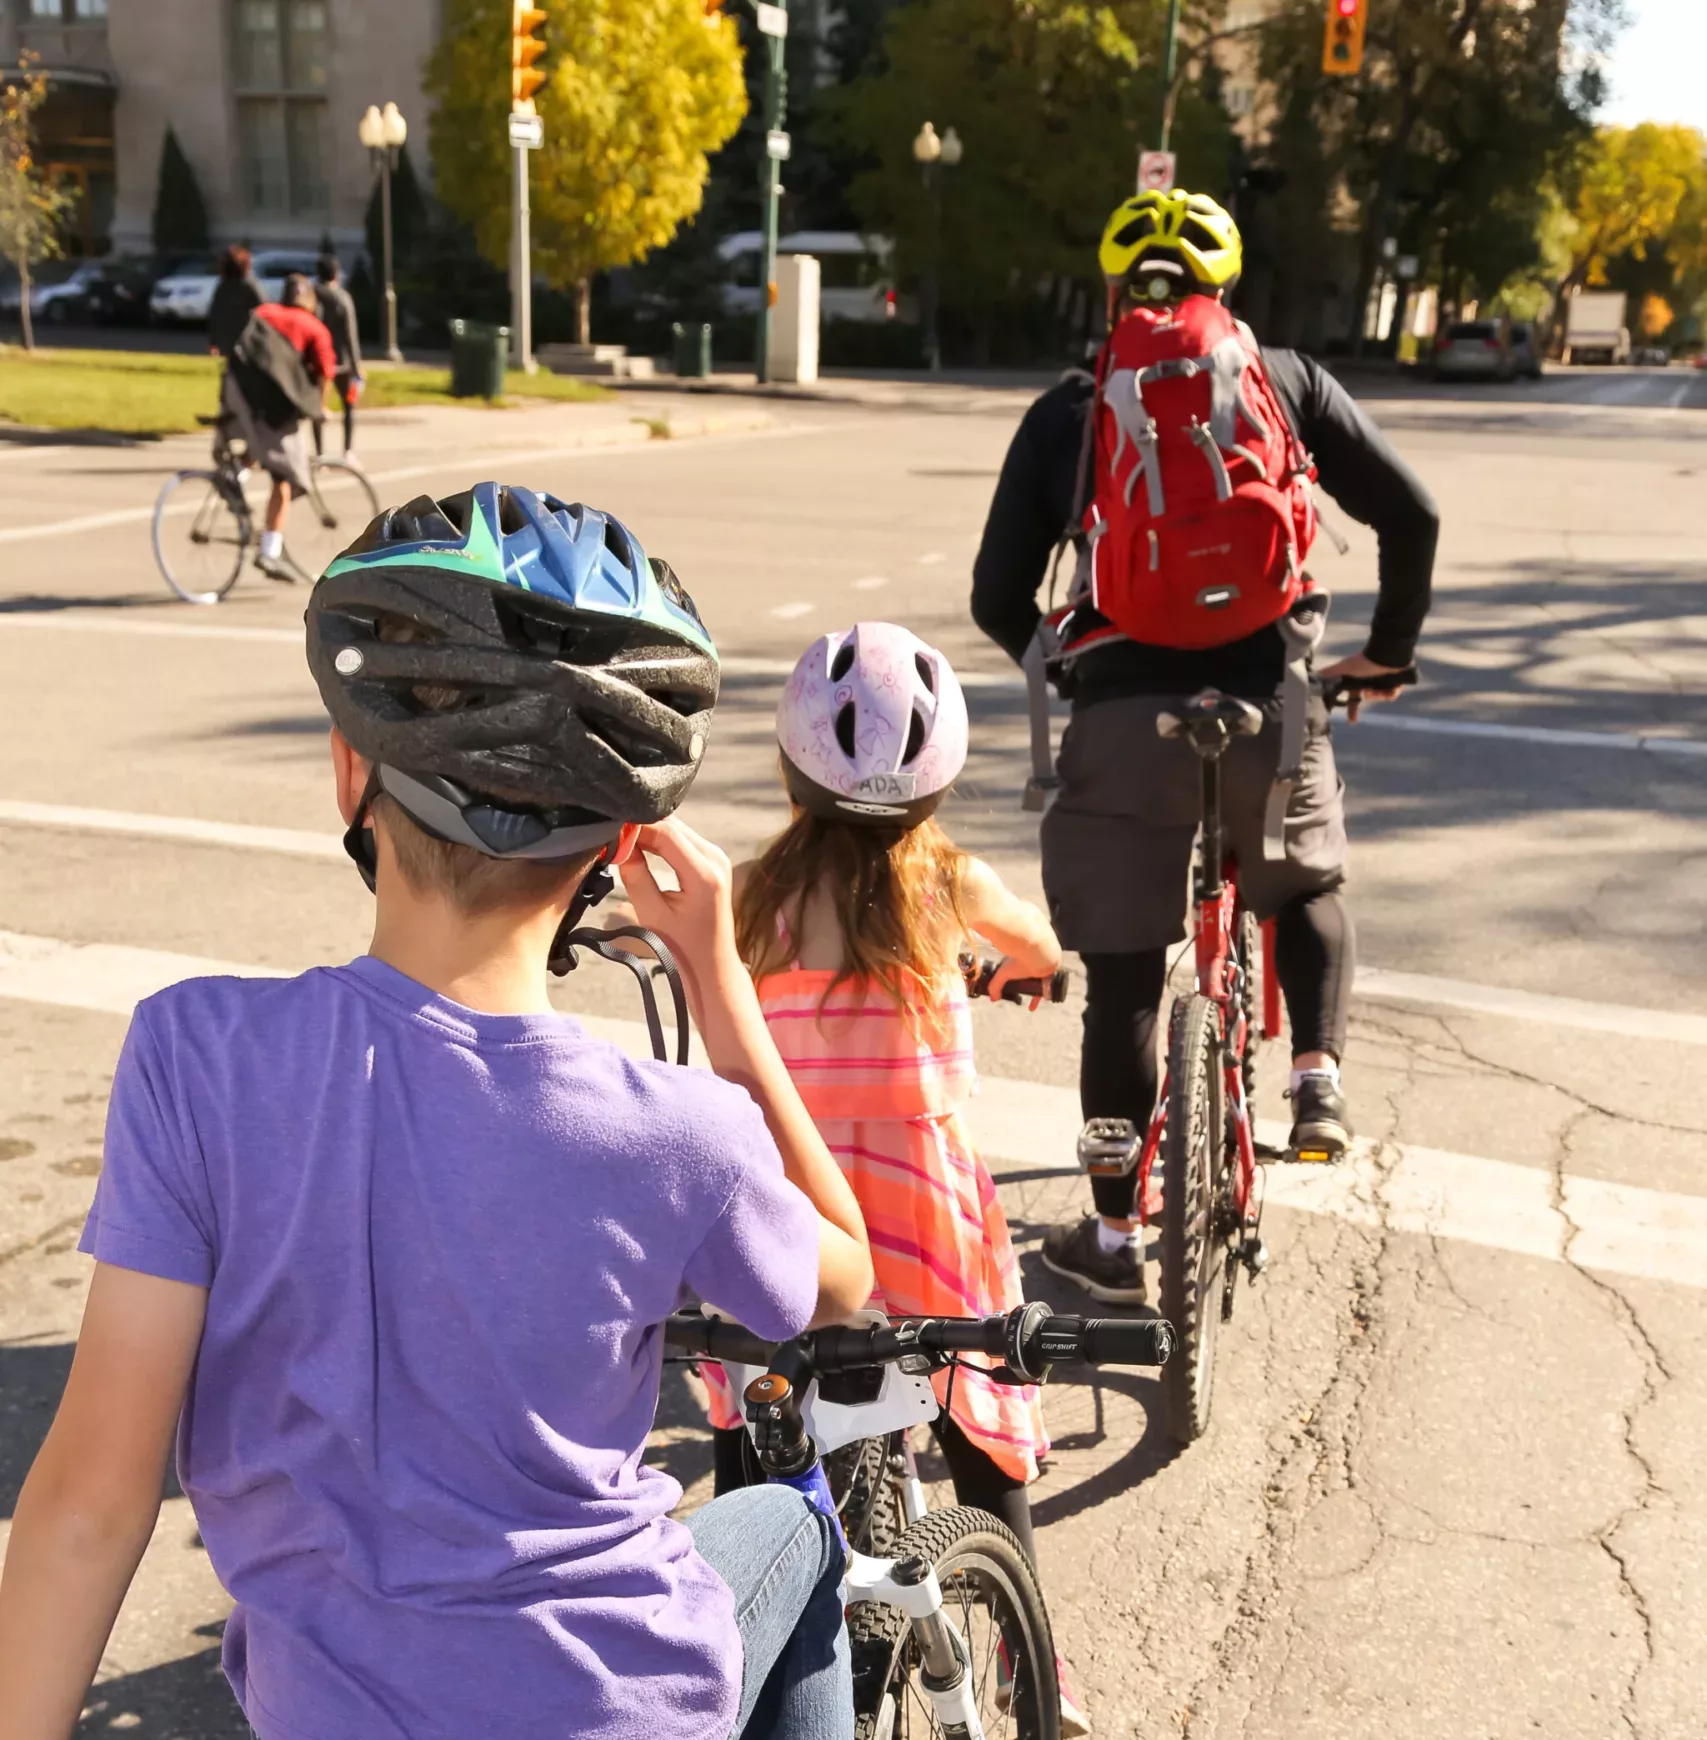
column 978, row 1479
column 1315, row 957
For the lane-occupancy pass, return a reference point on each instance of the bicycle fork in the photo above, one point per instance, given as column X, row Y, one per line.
column 945, row 1671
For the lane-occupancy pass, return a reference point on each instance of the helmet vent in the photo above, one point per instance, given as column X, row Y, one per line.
column 927, row 676
column 511, row 519
column 630, row 746
column 1199, row 236
column 1131, row 234
column 845, row 730
column 915, row 737
column 842, row 663
column 616, row 541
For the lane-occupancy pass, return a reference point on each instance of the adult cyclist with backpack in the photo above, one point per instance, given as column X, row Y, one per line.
column 1181, row 476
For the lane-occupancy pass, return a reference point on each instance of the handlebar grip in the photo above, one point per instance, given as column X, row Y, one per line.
column 716, row 1339
column 980, row 973
column 1344, row 689
column 1127, row 1341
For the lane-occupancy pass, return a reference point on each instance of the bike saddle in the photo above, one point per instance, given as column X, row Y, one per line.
column 1210, row 716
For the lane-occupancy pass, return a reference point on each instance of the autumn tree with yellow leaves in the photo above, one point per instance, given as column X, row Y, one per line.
column 31, row 204
column 638, row 95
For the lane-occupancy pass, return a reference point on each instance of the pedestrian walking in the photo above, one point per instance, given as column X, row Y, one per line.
column 338, row 315
column 235, row 297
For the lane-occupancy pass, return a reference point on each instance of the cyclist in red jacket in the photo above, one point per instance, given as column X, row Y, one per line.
column 1117, row 841
column 268, row 399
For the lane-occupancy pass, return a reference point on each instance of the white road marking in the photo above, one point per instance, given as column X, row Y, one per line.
column 296, row 842
column 117, row 623
column 871, row 583
column 931, row 558
column 1617, row 1228
column 1628, row 1020
column 788, row 612
column 1549, row 735
column 491, row 462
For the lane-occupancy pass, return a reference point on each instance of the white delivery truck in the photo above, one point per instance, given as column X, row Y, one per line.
column 1594, row 327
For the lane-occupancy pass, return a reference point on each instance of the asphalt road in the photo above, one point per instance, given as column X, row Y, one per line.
column 1454, row 1484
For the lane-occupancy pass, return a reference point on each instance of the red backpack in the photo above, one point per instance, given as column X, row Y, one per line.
column 1200, row 511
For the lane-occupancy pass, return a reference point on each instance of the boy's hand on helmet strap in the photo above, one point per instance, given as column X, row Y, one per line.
column 696, row 917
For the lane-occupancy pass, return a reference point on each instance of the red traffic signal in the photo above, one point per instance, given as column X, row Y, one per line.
column 1342, row 44
column 525, row 49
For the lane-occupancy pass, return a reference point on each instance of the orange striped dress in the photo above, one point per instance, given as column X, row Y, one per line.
column 885, row 1088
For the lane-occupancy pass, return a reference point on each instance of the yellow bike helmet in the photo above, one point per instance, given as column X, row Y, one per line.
column 1171, row 237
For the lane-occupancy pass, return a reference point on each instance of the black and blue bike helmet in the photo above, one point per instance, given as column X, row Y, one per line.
column 523, row 678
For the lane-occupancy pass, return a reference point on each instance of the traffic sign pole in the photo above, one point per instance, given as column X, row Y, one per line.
column 773, row 26
column 521, row 268
column 1170, row 67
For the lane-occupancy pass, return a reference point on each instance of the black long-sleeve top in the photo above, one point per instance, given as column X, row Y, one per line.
column 1356, row 465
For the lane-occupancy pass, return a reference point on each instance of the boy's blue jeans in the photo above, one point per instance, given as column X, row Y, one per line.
column 783, row 1564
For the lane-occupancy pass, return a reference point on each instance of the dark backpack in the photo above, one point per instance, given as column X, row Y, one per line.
column 272, row 376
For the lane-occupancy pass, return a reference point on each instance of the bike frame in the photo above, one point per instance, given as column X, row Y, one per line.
column 1218, row 910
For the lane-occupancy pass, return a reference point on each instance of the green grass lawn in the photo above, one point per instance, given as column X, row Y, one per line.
column 155, row 393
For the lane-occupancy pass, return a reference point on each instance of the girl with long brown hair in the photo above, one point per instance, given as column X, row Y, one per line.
column 852, row 922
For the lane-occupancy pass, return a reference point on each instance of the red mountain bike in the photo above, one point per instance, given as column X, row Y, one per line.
column 1209, row 1201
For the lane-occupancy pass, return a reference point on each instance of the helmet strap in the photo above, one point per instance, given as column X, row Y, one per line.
column 358, row 836
column 595, row 885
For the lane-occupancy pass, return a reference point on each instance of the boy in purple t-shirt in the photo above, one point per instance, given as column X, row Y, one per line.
column 389, row 1244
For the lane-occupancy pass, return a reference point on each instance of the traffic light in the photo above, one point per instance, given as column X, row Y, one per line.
column 525, row 49
column 1342, row 46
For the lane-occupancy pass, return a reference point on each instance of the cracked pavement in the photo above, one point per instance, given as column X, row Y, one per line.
column 1454, row 1482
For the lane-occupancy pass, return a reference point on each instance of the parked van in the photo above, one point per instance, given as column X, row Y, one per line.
column 855, row 280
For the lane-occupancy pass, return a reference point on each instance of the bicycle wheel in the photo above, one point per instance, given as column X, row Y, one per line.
column 990, row 1593
column 325, row 522
column 865, row 1495
column 201, row 535
column 1194, row 1250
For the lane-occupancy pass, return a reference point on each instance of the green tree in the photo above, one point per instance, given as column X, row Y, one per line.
column 1447, row 138
column 180, row 213
column 1052, row 100
column 32, row 206
column 638, row 93
column 1627, row 190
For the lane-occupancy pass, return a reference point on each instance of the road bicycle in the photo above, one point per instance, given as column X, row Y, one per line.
column 204, row 521
column 1203, row 1129
column 947, row 1627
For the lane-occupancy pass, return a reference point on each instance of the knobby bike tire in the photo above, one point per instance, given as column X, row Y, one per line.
column 217, row 521
column 865, row 1495
column 984, row 1572
column 1193, row 1249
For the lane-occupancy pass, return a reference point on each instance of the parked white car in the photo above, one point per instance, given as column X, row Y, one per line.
column 183, row 298
column 854, row 276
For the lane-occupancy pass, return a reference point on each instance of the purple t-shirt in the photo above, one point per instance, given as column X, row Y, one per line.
column 437, row 1244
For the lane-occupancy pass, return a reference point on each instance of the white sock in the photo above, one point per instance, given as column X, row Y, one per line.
column 1330, row 1070
column 272, row 545
column 1111, row 1239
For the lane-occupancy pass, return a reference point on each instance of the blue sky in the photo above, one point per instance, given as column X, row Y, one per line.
column 1658, row 70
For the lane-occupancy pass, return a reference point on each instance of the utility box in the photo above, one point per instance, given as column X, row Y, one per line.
column 793, row 352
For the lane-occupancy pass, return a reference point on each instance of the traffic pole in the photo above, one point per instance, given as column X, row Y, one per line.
column 773, row 26
column 1170, row 66
column 521, row 267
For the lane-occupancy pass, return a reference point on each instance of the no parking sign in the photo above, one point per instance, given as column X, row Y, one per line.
column 1155, row 171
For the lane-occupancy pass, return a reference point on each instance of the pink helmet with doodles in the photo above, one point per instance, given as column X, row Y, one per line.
column 872, row 727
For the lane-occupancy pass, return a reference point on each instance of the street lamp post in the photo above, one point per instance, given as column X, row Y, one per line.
column 1170, row 67
column 772, row 21
column 929, row 152
column 383, row 132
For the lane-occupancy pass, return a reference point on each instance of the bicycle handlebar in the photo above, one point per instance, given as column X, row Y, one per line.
column 1343, row 690
column 979, row 974
column 1029, row 1339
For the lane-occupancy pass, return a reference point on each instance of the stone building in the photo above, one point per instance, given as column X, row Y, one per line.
column 264, row 96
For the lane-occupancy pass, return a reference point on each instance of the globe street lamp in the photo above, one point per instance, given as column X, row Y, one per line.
column 928, row 151
column 383, row 132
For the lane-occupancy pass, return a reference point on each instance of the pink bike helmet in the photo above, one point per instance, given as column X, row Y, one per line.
column 872, row 726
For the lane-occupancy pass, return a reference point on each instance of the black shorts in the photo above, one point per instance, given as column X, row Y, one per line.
column 1117, row 841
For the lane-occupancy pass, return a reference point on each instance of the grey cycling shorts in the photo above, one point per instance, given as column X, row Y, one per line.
column 281, row 453
column 1117, row 841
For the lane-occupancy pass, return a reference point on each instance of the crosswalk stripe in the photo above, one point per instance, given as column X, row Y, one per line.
column 1031, row 1127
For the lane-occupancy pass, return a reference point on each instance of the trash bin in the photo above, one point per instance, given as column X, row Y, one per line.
column 693, row 349
column 478, row 355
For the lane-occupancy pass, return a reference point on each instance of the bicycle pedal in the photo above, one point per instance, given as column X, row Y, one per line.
column 1253, row 1253
column 1267, row 1151
column 1314, row 1154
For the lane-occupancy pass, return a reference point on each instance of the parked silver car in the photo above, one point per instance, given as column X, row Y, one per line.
column 183, row 298
column 1474, row 350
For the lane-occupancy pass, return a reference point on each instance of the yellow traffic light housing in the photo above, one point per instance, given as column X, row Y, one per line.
column 1342, row 46
column 525, row 49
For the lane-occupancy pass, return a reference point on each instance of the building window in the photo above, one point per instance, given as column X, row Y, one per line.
column 46, row 9
column 69, row 11
column 280, row 52
column 90, row 11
